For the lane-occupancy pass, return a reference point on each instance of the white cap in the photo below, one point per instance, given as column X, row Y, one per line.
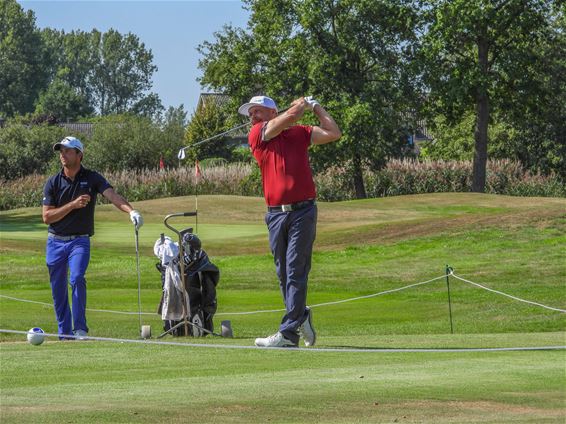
column 264, row 101
column 69, row 143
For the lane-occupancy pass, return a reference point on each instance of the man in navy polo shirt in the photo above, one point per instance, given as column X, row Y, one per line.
column 281, row 151
column 68, row 208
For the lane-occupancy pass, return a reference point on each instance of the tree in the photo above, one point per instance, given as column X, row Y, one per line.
column 122, row 72
column 27, row 149
column 124, row 143
column 173, row 127
column 63, row 102
column 208, row 120
column 455, row 141
column 149, row 106
column 22, row 74
column 538, row 106
column 474, row 52
column 351, row 54
column 72, row 59
column 110, row 71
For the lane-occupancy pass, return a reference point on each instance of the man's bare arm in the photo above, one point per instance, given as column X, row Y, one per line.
column 117, row 200
column 327, row 131
column 51, row 214
column 285, row 120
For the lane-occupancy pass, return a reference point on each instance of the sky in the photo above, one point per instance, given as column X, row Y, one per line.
column 172, row 30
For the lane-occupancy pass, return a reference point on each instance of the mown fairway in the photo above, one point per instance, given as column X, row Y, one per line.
column 514, row 245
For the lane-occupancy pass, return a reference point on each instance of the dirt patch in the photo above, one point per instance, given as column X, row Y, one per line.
column 486, row 410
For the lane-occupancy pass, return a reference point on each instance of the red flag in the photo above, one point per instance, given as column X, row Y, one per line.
column 161, row 163
column 197, row 169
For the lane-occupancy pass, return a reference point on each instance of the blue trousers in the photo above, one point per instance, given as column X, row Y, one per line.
column 68, row 258
column 291, row 239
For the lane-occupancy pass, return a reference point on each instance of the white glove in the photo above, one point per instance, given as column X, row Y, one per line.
column 311, row 102
column 136, row 219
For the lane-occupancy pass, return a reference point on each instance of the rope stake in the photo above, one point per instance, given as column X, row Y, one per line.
column 448, row 272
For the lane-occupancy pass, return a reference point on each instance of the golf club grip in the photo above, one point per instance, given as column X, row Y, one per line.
column 172, row 215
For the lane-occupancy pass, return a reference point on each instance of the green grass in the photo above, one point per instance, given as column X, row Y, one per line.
column 99, row 382
column 514, row 245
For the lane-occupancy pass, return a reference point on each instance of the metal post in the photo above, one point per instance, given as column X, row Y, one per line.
column 184, row 284
column 197, row 177
column 448, row 271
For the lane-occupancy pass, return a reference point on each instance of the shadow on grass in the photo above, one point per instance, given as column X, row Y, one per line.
column 22, row 223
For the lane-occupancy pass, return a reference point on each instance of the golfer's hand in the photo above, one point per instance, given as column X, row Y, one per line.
column 136, row 219
column 81, row 201
column 311, row 102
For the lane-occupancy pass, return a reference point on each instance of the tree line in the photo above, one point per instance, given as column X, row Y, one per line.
column 487, row 76
column 492, row 73
column 67, row 76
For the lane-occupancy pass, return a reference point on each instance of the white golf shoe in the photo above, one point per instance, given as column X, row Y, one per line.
column 80, row 335
column 307, row 330
column 277, row 340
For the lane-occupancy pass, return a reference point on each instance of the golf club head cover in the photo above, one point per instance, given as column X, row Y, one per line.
column 311, row 102
column 136, row 219
column 191, row 242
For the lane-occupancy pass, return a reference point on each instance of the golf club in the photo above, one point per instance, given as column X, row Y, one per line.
column 181, row 155
column 145, row 330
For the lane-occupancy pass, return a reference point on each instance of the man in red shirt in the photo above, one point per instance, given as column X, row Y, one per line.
column 281, row 151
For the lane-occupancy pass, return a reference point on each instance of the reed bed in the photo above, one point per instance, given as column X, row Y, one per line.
column 398, row 177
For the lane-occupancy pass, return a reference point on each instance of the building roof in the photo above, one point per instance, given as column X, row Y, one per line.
column 217, row 99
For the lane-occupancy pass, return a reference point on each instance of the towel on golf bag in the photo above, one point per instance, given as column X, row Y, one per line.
column 201, row 279
column 172, row 297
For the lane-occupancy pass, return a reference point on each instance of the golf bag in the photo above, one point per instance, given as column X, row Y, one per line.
column 201, row 279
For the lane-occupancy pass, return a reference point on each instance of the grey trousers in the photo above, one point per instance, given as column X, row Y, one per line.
column 291, row 239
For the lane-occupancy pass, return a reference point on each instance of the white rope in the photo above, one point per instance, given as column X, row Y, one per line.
column 337, row 301
column 298, row 349
column 376, row 294
column 263, row 311
column 88, row 309
column 315, row 305
column 508, row 295
column 25, row 300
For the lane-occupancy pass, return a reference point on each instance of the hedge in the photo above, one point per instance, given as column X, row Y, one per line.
column 398, row 177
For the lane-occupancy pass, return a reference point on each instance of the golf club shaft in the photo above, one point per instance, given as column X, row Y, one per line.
column 221, row 134
column 139, row 277
column 191, row 324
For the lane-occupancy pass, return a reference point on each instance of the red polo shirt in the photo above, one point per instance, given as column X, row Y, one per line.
column 284, row 164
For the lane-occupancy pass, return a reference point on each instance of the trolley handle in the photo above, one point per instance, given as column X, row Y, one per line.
column 173, row 215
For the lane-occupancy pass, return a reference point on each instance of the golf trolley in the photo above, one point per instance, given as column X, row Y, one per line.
column 188, row 302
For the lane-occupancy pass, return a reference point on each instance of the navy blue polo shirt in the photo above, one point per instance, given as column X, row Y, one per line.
column 60, row 190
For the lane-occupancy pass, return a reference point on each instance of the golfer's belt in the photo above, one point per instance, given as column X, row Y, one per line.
column 66, row 238
column 291, row 207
